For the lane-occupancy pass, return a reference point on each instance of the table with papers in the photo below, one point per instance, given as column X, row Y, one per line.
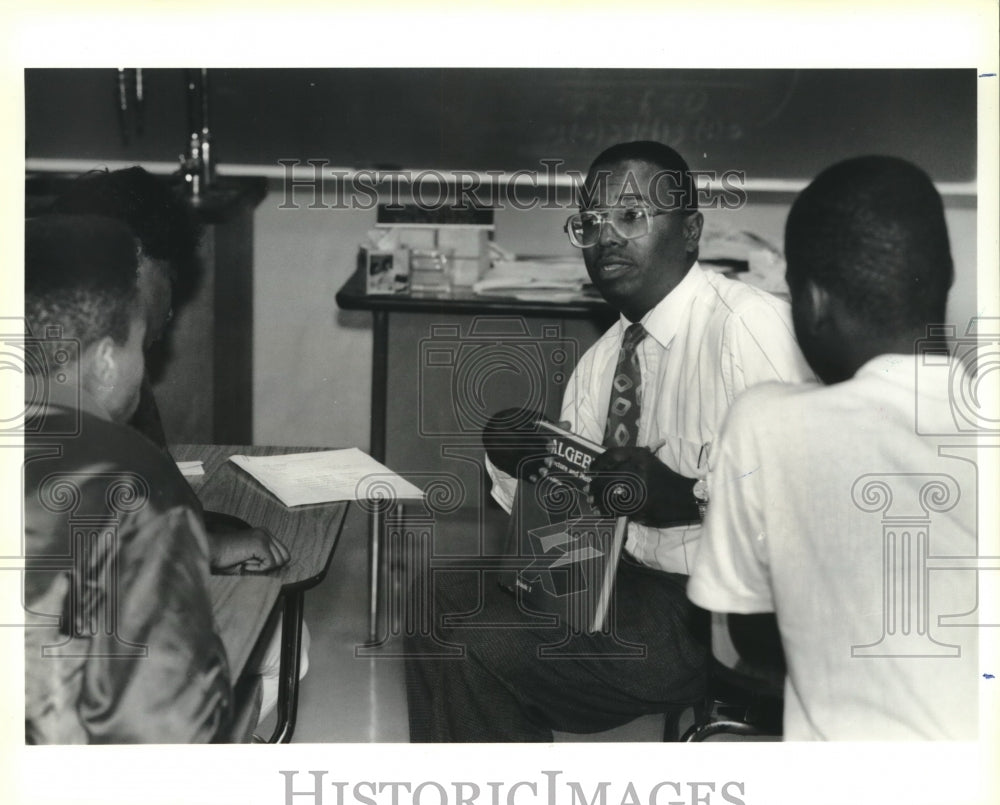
column 325, row 476
column 310, row 532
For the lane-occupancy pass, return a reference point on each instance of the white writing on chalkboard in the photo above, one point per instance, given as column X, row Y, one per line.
column 770, row 124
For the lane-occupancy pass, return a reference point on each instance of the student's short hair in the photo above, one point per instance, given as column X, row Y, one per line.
column 159, row 217
column 871, row 231
column 676, row 182
column 79, row 279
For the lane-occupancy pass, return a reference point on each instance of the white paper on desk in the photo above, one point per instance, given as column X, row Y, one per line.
column 524, row 284
column 300, row 479
column 191, row 469
column 549, row 279
column 552, row 269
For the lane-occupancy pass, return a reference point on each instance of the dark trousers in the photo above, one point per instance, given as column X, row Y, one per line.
column 515, row 680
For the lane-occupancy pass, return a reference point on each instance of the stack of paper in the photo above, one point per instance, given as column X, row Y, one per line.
column 559, row 269
column 542, row 277
column 300, row 479
column 726, row 244
column 191, row 469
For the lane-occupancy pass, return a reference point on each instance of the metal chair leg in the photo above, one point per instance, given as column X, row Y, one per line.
column 672, row 719
column 288, row 684
column 701, row 732
column 374, row 571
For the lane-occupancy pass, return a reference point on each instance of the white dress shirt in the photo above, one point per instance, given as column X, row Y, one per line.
column 709, row 339
column 825, row 503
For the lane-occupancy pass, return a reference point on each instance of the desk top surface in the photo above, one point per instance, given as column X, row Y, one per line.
column 309, row 532
column 352, row 296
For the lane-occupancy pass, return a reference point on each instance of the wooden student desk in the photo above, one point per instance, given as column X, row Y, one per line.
column 592, row 316
column 309, row 532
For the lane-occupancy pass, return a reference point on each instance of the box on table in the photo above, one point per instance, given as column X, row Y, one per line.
column 462, row 232
column 471, row 248
column 430, row 270
column 387, row 271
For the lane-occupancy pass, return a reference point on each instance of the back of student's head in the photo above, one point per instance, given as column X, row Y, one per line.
column 160, row 218
column 871, row 232
column 79, row 279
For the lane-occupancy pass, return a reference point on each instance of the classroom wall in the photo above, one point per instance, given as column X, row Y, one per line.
column 312, row 361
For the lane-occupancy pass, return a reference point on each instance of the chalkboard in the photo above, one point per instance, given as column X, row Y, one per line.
column 771, row 124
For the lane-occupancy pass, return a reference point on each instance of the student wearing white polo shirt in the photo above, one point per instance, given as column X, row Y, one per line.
column 830, row 505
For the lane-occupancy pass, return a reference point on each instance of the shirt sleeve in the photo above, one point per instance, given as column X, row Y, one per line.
column 759, row 346
column 159, row 674
column 731, row 572
column 582, row 398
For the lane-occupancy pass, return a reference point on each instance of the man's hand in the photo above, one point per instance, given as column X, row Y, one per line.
column 513, row 444
column 251, row 551
column 631, row 481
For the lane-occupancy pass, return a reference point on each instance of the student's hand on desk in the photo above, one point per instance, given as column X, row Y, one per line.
column 251, row 551
column 631, row 481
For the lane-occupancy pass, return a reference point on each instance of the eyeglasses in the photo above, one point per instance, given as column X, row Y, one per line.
column 629, row 223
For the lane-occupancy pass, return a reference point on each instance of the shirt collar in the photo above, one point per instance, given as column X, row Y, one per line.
column 891, row 364
column 72, row 396
column 932, row 378
column 663, row 321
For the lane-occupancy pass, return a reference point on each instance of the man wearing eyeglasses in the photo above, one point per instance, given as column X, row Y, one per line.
column 687, row 343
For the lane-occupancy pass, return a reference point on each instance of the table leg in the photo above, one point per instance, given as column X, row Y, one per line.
column 375, row 568
column 380, row 376
column 380, row 369
column 288, row 680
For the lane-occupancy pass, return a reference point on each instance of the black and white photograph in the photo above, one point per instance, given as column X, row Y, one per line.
column 490, row 427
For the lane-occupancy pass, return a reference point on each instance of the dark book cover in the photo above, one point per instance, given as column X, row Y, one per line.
column 566, row 553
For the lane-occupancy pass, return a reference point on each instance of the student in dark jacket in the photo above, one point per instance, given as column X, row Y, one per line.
column 121, row 646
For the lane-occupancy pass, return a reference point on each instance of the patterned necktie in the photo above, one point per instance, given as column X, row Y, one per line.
column 622, row 428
